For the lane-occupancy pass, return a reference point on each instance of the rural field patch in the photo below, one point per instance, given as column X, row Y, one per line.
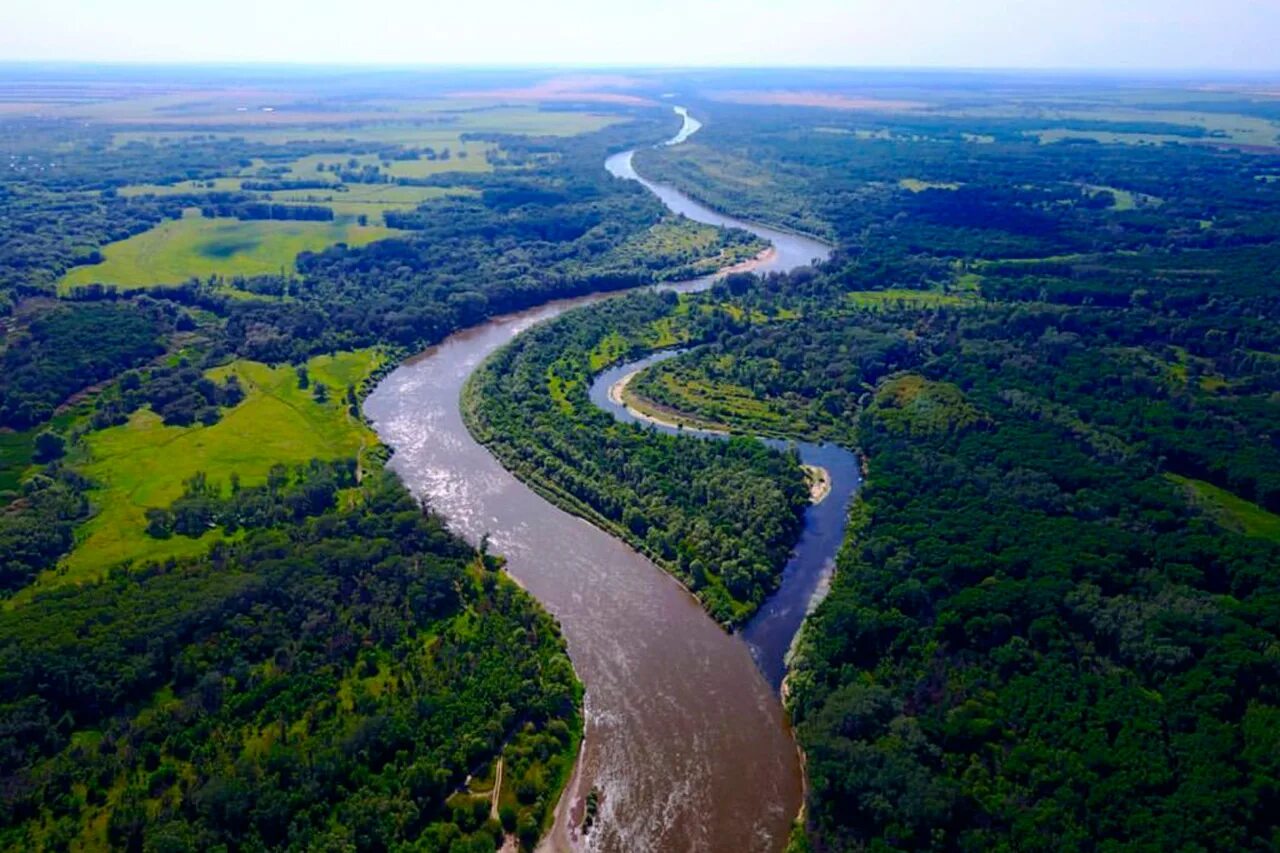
column 176, row 250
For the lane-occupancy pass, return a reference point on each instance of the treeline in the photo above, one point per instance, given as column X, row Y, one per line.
column 249, row 210
column 63, row 349
column 286, row 497
column 328, row 682
column 720, row 515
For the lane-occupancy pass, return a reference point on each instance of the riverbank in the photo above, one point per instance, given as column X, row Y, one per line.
column 646, row 410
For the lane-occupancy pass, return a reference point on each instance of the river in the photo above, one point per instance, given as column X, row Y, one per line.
column 805, row 578
column 685, row 738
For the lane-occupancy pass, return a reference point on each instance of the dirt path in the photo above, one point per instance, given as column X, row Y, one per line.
column 497, row 790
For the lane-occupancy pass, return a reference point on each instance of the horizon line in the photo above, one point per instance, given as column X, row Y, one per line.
column 373, row 66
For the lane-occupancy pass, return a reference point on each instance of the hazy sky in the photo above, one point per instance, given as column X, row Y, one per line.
column 1133, row 34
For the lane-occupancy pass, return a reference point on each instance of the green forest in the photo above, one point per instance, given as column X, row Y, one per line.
column 224, row 625
column 721, row 516
column 1051, row 625
column 1048, row 328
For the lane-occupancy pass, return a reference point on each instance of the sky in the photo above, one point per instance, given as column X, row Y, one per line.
column 1062, row 34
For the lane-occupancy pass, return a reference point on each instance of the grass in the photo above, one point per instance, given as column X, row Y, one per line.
column 432, row 124
column 304, row 168
column 914, row 298
column 1125, row 199
column 144, row 463
column 1230, row 510
column 178, row 249
column 18, row 447
column 703, row 404
column 216, row 185
column 346, row 200
column 372, row 200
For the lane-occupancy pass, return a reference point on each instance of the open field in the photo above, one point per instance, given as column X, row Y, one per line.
column 346, row 200
column 178, row 249
column 312, row 167
column 445, row 121
column 215, row 185
column 145, row 463
column 17, row 447
column 914, row 298
column 368, row 199
column 1230, row 510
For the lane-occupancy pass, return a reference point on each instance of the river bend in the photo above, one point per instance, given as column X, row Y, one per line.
column 685, row 738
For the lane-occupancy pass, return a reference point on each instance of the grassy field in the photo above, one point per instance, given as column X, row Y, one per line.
column 216, row 185
column 346, row 200
column 305, row 168
column 370, row 200
column 177, row 249
column 144, row 463
column 1230, row 510
column 433, row 125
column 914, row 298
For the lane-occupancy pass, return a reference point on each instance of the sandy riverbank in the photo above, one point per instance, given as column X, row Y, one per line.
column 819, row 482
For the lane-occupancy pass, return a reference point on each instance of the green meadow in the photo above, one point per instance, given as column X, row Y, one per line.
column 144, row 463
column 313, row 167
column 1231, row 510
column 214, row 185
column 178, row 249
column 914, row 298
column 372, row 200
column 440, row 126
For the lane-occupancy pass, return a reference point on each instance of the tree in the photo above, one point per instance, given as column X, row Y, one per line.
column 49, row 446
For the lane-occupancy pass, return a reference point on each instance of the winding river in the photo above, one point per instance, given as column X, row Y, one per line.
column 685, row 738
column 771, row 631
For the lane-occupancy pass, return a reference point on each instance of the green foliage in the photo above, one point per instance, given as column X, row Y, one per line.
column 720, row 515
column 331, row 681
column 63, row 349
column 198, row 247
column 1033, row 638
column 37, row 528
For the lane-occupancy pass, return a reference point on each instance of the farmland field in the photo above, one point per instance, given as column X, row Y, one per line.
column 178, row 249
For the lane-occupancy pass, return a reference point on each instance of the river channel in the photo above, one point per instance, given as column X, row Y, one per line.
column 685, row 737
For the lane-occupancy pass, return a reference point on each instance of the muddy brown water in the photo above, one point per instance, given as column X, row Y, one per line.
column 685, row 739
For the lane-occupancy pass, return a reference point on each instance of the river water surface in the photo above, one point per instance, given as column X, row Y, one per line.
column 685, row 738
